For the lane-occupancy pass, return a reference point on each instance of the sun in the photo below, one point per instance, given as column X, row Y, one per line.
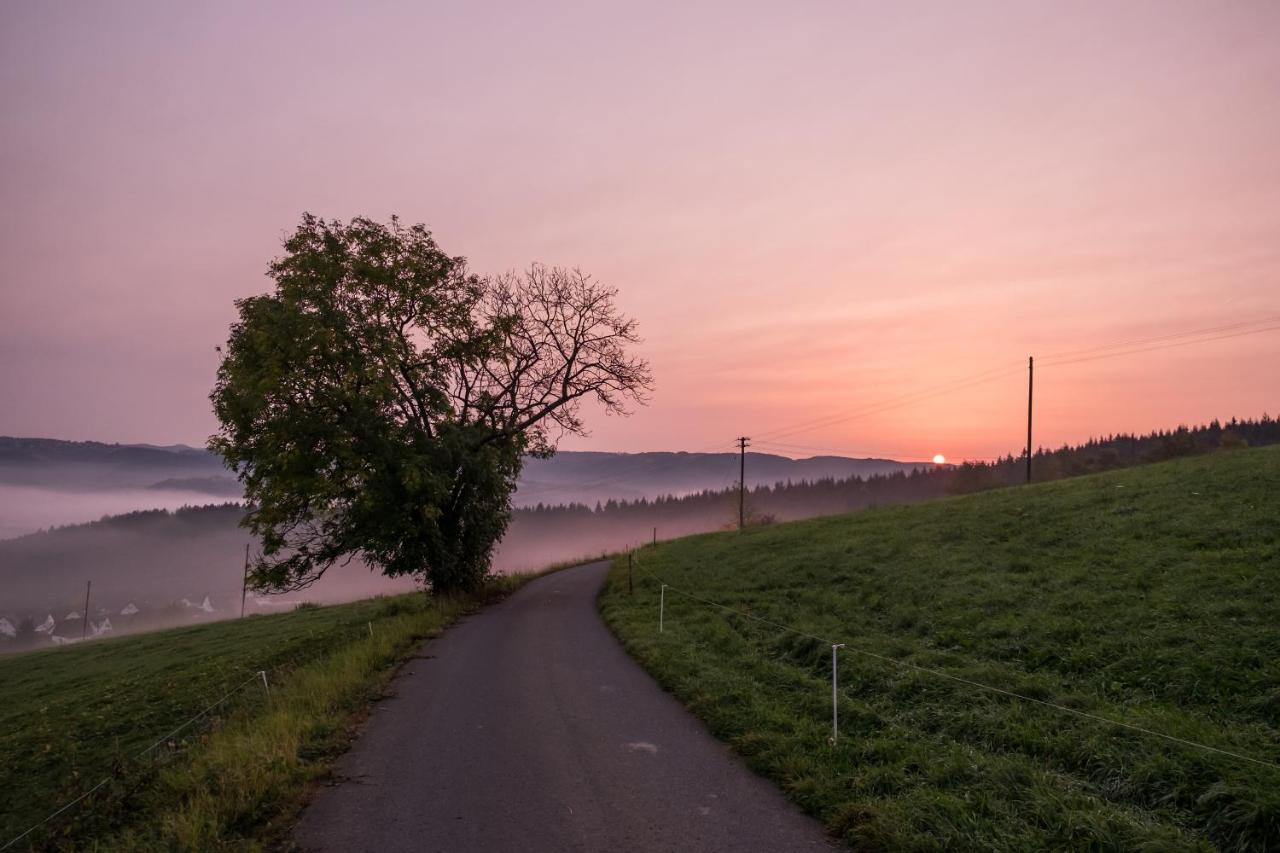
column 938, row 459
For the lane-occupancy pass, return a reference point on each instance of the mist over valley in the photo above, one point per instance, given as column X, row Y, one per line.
column 156, row 529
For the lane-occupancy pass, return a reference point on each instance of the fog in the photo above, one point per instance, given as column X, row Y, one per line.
column 155, row 568
column 26, row 509
column 148, row 570
column 156, row 530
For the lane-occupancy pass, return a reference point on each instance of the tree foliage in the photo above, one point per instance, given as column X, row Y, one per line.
column 380, row 401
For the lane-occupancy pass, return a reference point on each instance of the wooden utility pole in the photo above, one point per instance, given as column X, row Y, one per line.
column 244, row 580
column 742, row 481
column 1031, row 373
column 84, row 629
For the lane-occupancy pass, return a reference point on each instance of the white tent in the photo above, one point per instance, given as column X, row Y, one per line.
column 7, row 629
column 104, row 627
column 62, row 641
column 46, row 627
column 74, row 614
column 206, row 606
column 129, row 610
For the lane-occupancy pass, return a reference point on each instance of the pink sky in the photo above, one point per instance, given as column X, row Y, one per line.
column 811, row 208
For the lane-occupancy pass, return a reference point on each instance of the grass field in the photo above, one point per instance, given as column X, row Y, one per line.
column 73, row 716
column 1149, row 596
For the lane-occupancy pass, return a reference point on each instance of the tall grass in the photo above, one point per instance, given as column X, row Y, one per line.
column 248, row 776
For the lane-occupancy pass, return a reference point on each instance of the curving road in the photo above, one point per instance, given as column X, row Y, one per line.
column 528, row 728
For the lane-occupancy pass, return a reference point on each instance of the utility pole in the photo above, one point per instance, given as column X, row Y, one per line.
column 742, row 481
column 1031, row 373
column 84, row 629
column 244, row 580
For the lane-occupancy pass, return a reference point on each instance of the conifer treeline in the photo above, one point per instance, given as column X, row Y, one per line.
column 632, row 521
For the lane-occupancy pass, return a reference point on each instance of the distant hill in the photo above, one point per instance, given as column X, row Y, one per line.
column 588, row 477
column 569, row 476
column 54, row 464
column 150, row 560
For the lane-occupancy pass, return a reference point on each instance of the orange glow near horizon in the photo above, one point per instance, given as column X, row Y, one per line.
column 818, row 218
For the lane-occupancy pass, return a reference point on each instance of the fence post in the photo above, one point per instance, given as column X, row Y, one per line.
column 662, row 607
column 835, row 704
column 266, row 688
column 630, row 587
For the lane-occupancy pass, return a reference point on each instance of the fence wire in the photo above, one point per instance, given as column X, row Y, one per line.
column 960, row 679
column 256, row 676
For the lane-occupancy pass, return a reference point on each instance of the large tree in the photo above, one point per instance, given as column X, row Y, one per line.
column 380, row 402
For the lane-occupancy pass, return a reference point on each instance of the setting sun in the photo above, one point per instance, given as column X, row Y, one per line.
column 938, row 459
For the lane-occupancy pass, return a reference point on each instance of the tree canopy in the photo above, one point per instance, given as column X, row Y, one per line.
column 380, row 402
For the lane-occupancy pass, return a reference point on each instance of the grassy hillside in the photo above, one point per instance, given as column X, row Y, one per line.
column 1149, row 596
column 72, row 716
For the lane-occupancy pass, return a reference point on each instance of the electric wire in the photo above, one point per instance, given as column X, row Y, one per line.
column 1169, row 336
column 898, row 402
column 1057, row 362
column 984, row 376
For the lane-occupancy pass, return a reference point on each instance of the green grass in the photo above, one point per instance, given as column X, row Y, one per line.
column 72, row 716
column 1149, row 596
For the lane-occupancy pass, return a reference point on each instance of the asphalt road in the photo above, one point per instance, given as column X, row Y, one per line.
column 528, row 728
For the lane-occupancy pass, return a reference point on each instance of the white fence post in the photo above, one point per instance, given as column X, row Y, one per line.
column 266, row 688
column 662, row 607
column 835, row 706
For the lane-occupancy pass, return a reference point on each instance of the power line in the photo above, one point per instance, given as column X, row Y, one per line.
column 1156, row 338
column 803, row 426
column 1170, row 345
column 899, row 402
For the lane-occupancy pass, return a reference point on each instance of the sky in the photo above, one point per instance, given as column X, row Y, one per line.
column 826, row 217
